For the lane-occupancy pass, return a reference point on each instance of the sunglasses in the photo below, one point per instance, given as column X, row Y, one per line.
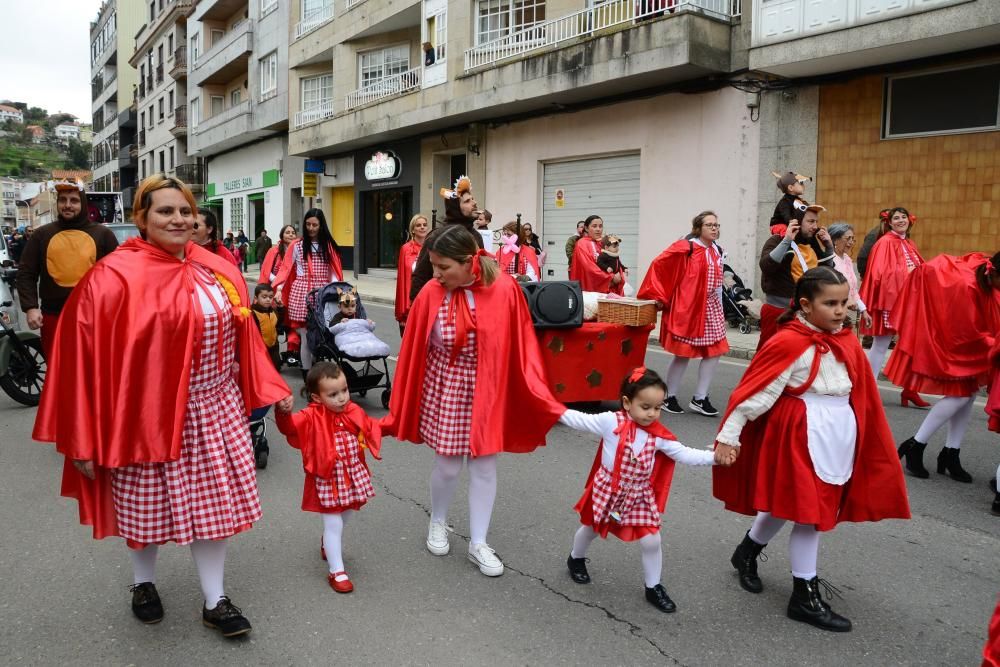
column 614, row 245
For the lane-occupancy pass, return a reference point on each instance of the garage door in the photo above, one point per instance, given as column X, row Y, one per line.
column 608, row 187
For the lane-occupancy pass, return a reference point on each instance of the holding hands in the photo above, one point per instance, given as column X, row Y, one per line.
column 725, row 455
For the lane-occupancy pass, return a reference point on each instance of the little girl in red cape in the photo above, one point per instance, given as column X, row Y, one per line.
column 816, row 447
column 629, row 483
column 332, row 433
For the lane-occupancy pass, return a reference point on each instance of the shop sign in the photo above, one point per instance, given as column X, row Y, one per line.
column 310, row 184
column 234, row 184
column 382, row 166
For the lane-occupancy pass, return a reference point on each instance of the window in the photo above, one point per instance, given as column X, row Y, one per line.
column 217, row 36
column 152, row 11
column 437, row 35
column 313, row 8
column 171, row 163
column 316, row 90
column 234, row 97
column 266, row 6
column 268, row 74
column 142, row 168
column 159, row 55
column 170, row 46
column 236, row 214
column 920, row 104
column 499, row 18
column 218, row 105
column 195, row 112
column 170, row 103
column 378, row 65
column 194, row 48
column 163, row 162
column 160, row 105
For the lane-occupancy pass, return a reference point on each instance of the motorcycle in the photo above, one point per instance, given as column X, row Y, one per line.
column 22, row 362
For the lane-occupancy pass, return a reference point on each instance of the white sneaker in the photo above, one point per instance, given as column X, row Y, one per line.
column 437, row 538
column 484, row 556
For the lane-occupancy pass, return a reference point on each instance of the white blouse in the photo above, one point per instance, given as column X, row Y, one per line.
column 604, row 425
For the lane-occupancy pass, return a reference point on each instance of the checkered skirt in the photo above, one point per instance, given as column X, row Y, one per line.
column 634, row 501
column 306, row 280
column 211, row 491
column 352, row 479
column 446, row 403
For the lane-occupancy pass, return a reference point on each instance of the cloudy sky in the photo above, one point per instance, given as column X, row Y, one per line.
column 45, row 53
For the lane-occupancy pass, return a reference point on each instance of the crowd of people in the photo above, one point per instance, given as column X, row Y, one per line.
column 804, row 437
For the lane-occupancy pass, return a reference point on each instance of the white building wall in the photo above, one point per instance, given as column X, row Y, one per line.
column 238, row 173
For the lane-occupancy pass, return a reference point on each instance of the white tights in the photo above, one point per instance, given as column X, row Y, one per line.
column 333, row 537
column 209, row 559
column 305, row 354
column 482, row 491
column 649, row 545
column 706, row 369
column 956, row 411
column 877, row 352
column 803, row 545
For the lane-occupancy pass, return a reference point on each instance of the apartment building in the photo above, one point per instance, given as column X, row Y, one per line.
column 113, row 82
column 160, row 58
column 10, row 190
column 237, row 94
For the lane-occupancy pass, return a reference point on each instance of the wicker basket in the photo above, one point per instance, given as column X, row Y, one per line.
column 630, row 312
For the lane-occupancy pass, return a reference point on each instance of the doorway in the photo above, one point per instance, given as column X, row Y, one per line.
column 385, row 216
column 256, row 218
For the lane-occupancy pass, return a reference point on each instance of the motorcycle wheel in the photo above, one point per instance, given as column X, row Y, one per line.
column 25, row 377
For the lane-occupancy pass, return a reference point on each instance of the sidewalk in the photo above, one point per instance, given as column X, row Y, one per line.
column 381, row 290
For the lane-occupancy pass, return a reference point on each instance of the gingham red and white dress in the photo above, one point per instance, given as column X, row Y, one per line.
column 308, row 277
column 211, row 491
column 446, row 403
column 634, row 503
column 715, row 319
column 888, row 328
column 352, row 479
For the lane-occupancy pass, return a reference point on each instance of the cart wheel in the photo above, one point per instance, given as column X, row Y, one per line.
column 744, row 327
column 385, row 399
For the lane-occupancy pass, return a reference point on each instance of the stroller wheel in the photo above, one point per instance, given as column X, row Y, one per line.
column 260, row 458
column 744, row 327
column 385, row 399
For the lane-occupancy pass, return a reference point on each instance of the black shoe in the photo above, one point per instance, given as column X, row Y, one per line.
column 949, row 462
column 745, row 561
column 995, row 510
column 703, row 406
column 866, row 342
column 578, row 569
column 292, row 359
column 260, row 454
column 672, row 406
column 146, row 603
column 807, row 605
column 226, row 618
column 305, row 372
column 913, row 451
column 657, row 596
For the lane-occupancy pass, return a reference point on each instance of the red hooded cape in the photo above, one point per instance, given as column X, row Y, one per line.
column 408, row 254
column 947, row 327
column 584, row 269
column 287, row 273
column 223, row 252
column 116, row 390
column 662, row 476
column 886, row 272
column 993, row 400
column 527, row 257
column 775, row 444
column 512, row 407
column 312, row 432
column 677, row 278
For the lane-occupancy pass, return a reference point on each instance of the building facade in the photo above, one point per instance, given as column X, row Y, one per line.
column 10, row 190
column 237, row 93
column 10, row 113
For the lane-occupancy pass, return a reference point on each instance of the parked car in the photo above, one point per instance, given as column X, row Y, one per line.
column 123, row 231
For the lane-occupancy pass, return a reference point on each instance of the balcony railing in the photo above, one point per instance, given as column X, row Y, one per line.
column 180, row 125
column 351, row 4
column 589, row 21
column 238, row 30
column 189, row 173
column 316, row 114
column 315, row 19
column 223, row 116
column 179, row 68
column 396, row 84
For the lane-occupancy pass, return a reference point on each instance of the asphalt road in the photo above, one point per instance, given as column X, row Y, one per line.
column 918, row 592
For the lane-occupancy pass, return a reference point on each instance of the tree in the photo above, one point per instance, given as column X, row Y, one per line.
column 37, row 114
column 77, row 155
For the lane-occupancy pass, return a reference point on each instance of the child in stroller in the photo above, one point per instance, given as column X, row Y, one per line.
column 734, row 292
column 338, row 329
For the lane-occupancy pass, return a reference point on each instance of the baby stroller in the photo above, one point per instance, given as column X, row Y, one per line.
column 734, row 291
column 363, row 372
column 258, row 436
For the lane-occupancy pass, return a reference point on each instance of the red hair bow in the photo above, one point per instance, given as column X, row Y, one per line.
column 913, row 219
column 637, row 374
column 884, row 215
column 477, row 270
column 989, row 267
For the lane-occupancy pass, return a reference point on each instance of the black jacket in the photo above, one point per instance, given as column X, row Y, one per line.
column 424, row 271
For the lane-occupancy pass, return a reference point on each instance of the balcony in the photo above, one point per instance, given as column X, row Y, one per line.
column 145, row 39
column 314, row 20
column 796, row 38
column 391, row 86
column 314, row 115
column 226, row 59
column 191, row 175
column 179, row 69
column 180, row 125
column 127, row 155
column 227, row 129
column 219, row 10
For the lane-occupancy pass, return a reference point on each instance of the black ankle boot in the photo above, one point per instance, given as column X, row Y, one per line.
column 996, row 504
column 578, row 569
column 949, row 462
column 745, row 561
column 305, row 372
column 913, row 451
column 657, row 596
column 807, row 605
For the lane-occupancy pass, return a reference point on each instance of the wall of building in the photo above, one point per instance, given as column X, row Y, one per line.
column 697, row 152
column 130, row 19
column 950, row 182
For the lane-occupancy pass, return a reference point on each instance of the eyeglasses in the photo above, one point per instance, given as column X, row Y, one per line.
column 712, row 226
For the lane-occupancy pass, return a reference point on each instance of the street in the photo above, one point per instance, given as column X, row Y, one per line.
column 918, row 592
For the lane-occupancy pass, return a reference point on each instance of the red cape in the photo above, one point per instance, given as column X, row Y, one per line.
column 116, row 391
column 527, row 257
column 993, row 400
column 408, row 254
column 677, row 278
column 287, row 272
column 886, row 272
column 584, row 269
column 512, row 408
column 876, row 489
column 947, row 327
column 662, row 476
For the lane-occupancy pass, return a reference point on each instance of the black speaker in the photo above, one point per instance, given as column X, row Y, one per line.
column 555, row 305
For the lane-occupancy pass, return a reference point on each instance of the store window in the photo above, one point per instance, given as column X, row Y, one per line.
column 383, row 63
column 236, row 214
column 269, row 75
column 499, row 18
column 942, row 102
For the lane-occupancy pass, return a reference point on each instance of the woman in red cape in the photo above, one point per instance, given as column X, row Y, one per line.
column 515, row 257
column 464, row 394
column 408, row 254
column 584, row 266
column 814, row 444
column 206, row 234
column 948, row 314
column 159, row 366
column 270, row 267
column 891, row 259
column 686, row 282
